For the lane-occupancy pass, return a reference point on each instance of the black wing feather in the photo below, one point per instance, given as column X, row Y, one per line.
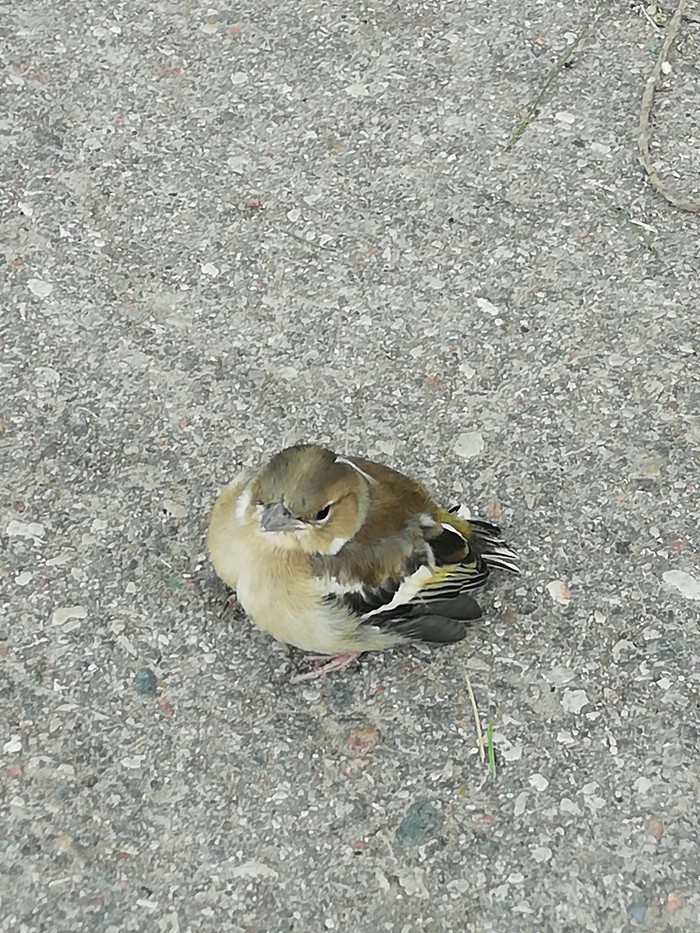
column 493, row 550
column 431, row 628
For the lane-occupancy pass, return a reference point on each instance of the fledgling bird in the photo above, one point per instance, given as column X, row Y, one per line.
column 339, row 555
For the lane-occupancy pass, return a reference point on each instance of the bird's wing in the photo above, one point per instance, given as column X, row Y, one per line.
column 428, row 602
column 430, row 599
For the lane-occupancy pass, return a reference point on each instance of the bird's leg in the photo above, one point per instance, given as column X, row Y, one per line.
column 231, row 603
column 325, row 664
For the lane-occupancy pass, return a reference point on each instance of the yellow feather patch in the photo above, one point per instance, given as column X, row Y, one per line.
column 440, row 574
column 450, row 576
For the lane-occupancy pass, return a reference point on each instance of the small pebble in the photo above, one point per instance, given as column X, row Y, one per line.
column 637, row 911
column 420, row 825
column 469, row 445
column 686, row 584
column 340, row 696
column 145, row 681
column 363, row 737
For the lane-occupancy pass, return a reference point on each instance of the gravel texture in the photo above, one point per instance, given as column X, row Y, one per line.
column 230, row 228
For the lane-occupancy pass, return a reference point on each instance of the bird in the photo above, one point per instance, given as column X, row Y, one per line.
column 338, row 555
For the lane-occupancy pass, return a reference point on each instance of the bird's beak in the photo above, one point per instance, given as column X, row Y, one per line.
column 276, row 517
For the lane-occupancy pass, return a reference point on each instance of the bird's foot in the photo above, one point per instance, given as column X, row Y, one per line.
column 230, row 603
column 325, row 664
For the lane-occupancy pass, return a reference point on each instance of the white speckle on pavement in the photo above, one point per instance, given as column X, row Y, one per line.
column 17, row 529
column 469, row 444
column 67, row 614
column 573, row 701
column 686, row 584
column 559, row 592
column 40, row 288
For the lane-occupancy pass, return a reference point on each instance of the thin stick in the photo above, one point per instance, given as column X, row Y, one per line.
column 477, row 721
column 645, row 117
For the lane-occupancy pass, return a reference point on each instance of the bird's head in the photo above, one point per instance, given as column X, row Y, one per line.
column 310, row 499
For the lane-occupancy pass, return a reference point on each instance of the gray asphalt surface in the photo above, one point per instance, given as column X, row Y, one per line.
column 230, row 228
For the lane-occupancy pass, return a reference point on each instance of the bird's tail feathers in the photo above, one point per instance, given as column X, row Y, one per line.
column 493, row 550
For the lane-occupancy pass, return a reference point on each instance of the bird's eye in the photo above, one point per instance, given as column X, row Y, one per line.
column 322, row 514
